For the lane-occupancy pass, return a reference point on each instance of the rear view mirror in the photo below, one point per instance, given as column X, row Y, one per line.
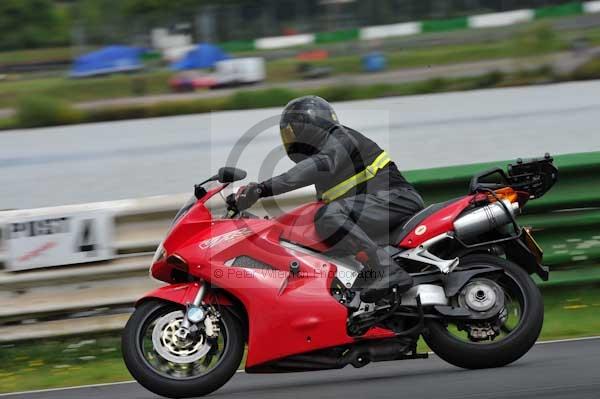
column 230, row 174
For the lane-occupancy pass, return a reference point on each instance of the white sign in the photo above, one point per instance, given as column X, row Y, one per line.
column 53, row 240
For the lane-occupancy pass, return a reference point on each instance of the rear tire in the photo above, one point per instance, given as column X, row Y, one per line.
column 172, row 387
column 472, row 355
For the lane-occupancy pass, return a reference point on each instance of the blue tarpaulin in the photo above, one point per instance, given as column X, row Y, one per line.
column 203, row 56
column 110, row 59
column 374, row 62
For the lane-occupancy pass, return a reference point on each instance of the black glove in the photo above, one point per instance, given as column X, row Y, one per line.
column 247, row 196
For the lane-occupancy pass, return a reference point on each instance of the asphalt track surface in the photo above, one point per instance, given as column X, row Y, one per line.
column 138, row 158
column 551, row 371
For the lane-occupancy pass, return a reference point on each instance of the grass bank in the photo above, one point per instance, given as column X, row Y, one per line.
column 49, row 111
column 89, row 89
column 570, row 312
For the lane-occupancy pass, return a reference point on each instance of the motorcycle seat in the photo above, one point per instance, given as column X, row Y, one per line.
column 400, row 232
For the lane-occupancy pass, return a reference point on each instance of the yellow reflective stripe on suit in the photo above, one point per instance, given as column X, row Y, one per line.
column 368, row 173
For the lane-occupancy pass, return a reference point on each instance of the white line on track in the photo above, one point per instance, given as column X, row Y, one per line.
column 556, row 341
column 68, row 388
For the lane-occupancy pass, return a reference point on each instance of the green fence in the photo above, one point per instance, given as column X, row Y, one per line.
column 562, row 10
column 566, row 221
column 337, row 36
column 238, row 46
column 441, row 25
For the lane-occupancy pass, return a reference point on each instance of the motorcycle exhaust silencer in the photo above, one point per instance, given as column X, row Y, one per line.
column 484, row 219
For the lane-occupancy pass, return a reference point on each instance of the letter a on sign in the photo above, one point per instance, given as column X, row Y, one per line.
column 86, row 241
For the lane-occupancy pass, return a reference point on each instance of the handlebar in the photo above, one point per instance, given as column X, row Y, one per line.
column 232, row 209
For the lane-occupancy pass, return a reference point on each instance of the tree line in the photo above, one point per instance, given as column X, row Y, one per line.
column 49, row 23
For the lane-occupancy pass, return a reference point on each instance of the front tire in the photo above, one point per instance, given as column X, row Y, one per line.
column 478, row 355
column 179, row 385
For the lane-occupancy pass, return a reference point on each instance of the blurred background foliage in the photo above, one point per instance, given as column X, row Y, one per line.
column 46, row 35
column 33, row 23
column 536, row 39
column 51, row 23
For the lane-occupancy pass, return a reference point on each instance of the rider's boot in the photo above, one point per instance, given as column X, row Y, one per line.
column 380, row 275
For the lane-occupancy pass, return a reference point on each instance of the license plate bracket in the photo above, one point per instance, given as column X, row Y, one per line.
column 533, row 246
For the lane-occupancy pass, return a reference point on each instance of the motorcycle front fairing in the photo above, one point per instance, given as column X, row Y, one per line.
column 287, row 313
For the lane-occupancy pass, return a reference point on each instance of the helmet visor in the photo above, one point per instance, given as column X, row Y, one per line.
column 287, row 136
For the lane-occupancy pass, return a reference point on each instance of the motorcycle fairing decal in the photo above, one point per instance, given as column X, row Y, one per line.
column 421, row 230
column 223, row 238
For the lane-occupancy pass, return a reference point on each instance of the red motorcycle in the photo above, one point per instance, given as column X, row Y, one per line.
column 269, row 285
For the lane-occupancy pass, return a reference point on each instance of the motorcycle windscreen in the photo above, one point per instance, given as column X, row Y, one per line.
column 184, row 209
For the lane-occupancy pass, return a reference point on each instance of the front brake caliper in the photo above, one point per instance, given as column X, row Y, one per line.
column 211, row 326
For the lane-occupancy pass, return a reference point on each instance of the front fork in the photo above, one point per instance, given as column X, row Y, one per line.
column 194, row 313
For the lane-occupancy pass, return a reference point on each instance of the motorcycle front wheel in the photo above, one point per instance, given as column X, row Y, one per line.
column 496, row 342
column 170, row 367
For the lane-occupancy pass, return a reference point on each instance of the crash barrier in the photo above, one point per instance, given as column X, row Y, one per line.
column 72, row 234
column 412, row 28
column 566, row 223
column 501, row 18
column 285, row 41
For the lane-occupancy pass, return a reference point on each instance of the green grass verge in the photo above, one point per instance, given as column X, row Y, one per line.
column 535, row 40
column 78, row 90
column 8, row 123
column 59, row 363
column 570, row 313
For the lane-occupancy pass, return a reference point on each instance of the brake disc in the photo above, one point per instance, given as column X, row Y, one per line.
column 483, row 297
column 174, row 349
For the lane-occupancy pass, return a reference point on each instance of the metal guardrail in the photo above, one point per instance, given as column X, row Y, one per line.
column 59, row 300
column 85, row 298
column 75, row 299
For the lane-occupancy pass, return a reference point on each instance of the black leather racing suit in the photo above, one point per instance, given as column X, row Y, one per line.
column 362, row 218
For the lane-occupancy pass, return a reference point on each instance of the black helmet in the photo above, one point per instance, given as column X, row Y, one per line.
column 304, row 125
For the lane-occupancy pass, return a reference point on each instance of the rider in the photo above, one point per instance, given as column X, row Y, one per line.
column 365, row 193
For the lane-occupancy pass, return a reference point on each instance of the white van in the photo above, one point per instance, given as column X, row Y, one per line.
column 240, row 71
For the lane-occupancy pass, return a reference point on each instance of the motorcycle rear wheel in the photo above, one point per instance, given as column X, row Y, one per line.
column 167, row 378
column 517, row 341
